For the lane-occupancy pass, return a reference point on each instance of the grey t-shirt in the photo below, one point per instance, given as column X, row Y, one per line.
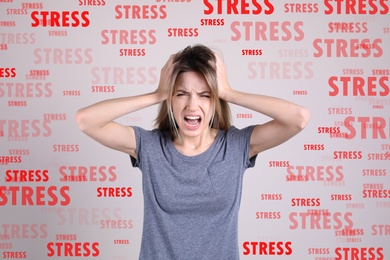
column 191, row 203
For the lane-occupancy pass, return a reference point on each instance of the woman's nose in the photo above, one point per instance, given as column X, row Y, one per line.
column 192, row 103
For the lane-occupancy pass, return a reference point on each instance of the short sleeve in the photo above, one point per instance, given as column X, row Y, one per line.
column 144, row 140
column 242, row 143
column 135, row 161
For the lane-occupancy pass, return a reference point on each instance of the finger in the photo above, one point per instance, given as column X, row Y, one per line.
column 218, row 57
column 171, row 58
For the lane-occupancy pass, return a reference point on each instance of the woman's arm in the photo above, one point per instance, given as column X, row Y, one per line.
column 97, row 120
column 288, row 119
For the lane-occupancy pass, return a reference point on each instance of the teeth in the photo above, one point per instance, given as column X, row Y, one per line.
column 192, row 117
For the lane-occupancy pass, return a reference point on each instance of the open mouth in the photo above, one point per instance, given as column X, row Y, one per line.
column 192, row 121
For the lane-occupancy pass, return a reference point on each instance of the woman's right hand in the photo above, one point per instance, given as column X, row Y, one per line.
column 165, row 76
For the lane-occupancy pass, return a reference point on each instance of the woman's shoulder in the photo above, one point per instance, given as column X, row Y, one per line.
column 233, row 130
column 144, row 133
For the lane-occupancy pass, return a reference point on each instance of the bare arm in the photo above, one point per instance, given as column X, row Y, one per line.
column 288, row 119
column 97, row 120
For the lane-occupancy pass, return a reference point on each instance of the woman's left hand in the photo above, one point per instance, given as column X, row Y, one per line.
column 223, row 84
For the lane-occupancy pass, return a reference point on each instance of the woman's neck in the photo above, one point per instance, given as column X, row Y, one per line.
column 195, row 145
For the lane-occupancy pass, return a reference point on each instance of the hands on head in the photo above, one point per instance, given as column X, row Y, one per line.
column 165, row 76
column 222, row 79
column 168, row 68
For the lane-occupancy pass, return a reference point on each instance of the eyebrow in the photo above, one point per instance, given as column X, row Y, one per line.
column 184, row 91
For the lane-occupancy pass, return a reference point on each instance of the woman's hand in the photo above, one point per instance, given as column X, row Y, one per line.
column 165, row 77
column 223, row 84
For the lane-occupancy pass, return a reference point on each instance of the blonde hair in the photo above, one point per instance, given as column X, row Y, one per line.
column 198, row 58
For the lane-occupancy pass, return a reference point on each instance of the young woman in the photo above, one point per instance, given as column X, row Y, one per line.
column 193, row 162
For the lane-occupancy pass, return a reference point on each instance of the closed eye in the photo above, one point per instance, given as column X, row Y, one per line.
column 204, row 94
column 181, row 93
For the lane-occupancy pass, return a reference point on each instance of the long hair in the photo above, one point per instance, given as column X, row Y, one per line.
column 197, row 58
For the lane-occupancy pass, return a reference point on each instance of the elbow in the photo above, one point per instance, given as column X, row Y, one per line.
column 303, row 117
column 80, row 119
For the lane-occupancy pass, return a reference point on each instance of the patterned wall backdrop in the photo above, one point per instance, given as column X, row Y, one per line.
column 325, row 194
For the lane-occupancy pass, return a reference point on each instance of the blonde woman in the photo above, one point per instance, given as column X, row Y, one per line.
column 193, row 162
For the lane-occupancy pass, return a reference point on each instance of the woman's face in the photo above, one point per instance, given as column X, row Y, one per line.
column 192, row 104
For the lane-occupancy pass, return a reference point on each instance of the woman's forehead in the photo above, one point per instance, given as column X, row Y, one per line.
column 191, row 81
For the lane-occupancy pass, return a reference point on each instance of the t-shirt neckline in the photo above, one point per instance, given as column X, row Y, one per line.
column 197, row 157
